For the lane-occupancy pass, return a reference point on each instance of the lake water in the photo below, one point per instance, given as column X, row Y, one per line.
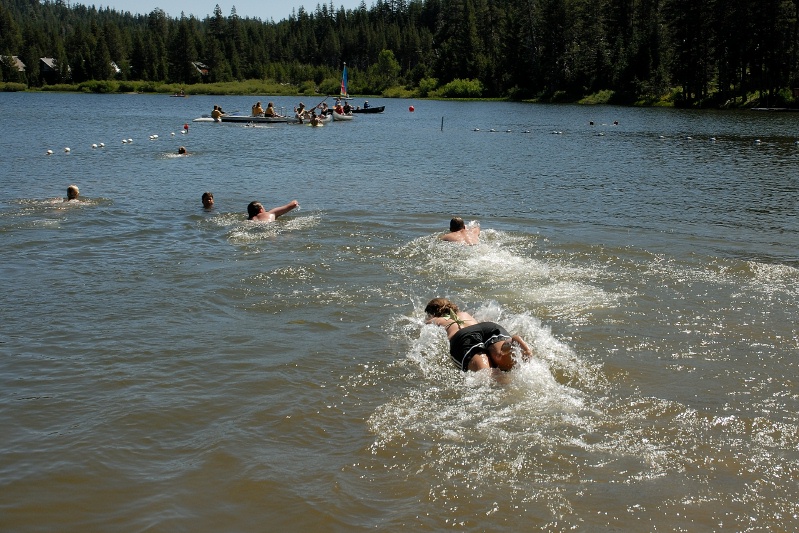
column 167, row 368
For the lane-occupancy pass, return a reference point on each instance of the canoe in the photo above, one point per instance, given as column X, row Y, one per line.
column 256, row 120
column 246, row 119
column 339, row 116
column 376, row 109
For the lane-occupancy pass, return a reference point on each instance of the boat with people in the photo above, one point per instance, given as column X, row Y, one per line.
column 246, row 119
column 341, row 116
column 321, row 120
column 376, row 109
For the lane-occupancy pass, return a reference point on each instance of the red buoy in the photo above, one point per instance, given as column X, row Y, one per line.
column 186, row 127
column 410, row 109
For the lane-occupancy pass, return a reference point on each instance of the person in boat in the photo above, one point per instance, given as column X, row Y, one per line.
column 72, row 193
column 474, row 345
column 347, row 108
column 270, row 110
column 216, row 114
column 366, row 104
column 323, row 109
column 458, row 232
column 257, row 212
column 257, row 110
column 208, row 200
column 182, row 151
column 338, row 109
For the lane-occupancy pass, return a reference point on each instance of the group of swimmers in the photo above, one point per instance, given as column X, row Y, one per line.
column 255, row 210
column 473, row 345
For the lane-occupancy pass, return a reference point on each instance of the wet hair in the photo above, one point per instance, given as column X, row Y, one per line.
column 456, row 224
column 72, row 192
column 440, row 307
column 207, row 196
column 182, row 150
column 253, row 209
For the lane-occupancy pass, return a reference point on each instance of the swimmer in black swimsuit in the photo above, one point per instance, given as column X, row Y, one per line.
column 474, row 345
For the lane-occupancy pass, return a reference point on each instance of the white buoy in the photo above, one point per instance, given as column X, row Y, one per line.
column 712, row 139
column 173, row 134
column 94, row 146
column 49, row 152
column 507, row 131
column 102, row 145
column 67, row 150
column 183, row 131
column 477, row 129
column 124, row 141
column 130, row 141
column 757, row 141
column 492, row 130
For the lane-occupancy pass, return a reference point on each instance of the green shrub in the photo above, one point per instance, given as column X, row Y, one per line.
column 601, row 97
column 459, row 88
column 98, row 86
column 427, row 86
column 399, row 92
column 12, row 87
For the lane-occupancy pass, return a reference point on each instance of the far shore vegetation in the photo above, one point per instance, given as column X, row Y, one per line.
column 456, row 90
column 681, row 53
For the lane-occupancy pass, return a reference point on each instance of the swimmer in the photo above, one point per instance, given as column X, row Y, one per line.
column 256, row 211
column 208, row 200
column 72, row 193
column 474, row 345
column 182, row 151
column 458, row 232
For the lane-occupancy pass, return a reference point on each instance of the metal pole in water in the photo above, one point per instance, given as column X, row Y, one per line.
column 442, row 123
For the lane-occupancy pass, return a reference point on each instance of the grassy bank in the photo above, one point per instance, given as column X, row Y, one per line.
column 428, row 89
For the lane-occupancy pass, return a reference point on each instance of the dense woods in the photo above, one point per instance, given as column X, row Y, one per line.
column 693, row 52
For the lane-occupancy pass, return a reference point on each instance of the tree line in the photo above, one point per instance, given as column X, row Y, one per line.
column 695, row 52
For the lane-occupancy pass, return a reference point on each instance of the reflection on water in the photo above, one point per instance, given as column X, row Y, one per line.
column 169, row 367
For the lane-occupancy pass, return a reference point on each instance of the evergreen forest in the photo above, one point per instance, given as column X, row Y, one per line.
column 711, row 53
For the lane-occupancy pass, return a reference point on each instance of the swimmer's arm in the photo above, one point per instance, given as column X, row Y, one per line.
column 523, row 345
column 282, row 210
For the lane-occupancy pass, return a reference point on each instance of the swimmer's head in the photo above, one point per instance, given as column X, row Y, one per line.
column 440, row 307
column 72, row 192
column 254, row 208
column 456, row 224
column 208, row 199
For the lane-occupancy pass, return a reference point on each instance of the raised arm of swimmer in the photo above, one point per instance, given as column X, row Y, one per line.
column 256, row 211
